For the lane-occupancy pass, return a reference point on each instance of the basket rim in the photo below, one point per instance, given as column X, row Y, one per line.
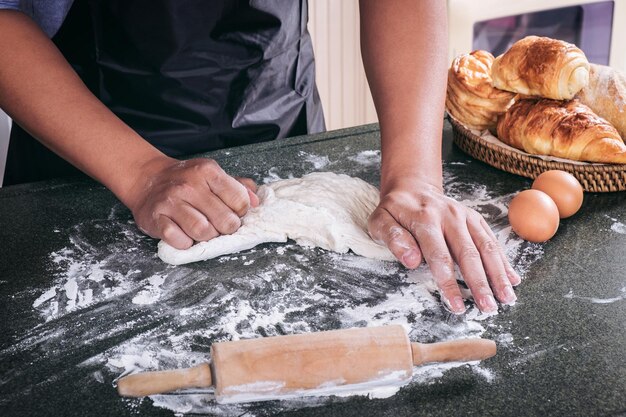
column 534, row 160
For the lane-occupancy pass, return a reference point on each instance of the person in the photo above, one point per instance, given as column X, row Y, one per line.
column 126, row 87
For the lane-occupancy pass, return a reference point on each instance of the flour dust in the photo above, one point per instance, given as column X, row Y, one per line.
column 110, row 292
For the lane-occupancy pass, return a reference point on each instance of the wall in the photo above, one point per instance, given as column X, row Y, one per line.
column 5, row 131
column 334, row 28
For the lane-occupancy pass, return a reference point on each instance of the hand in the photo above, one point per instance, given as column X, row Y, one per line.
column 417, row 221
column 186, row 201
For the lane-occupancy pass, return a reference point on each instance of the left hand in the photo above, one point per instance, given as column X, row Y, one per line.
column 418, row 222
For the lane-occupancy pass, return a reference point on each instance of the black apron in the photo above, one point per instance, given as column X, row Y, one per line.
column 189, row 76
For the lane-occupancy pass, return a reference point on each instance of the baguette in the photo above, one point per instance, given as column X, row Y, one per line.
column 606, row 95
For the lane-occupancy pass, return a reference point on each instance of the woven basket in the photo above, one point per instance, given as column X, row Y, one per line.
column 592, row 177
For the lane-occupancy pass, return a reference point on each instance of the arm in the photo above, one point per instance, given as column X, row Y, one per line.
column 41, row 92
column 404, row 47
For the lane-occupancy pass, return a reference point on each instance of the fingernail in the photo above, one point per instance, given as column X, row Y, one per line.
column 509, row 295
column 254, row 199
column 456, row 305
column 411, row 259
column 514, row 279
column 488, row 304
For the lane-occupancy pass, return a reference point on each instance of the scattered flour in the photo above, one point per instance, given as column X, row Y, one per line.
column 317, row 161
column 151, row 292
column 597, row 300
column 617, row 226
column 150, row 316
column 505, row 339
column 48, row 295
column 367, row 158
column 272, row 176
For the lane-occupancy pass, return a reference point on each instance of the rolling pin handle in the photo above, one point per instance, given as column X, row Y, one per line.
column 158, row 382
column 463, row 350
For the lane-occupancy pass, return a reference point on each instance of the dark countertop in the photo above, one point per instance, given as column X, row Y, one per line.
column 82, row 294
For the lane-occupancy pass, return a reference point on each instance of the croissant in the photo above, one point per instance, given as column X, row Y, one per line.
column 606, row 95
column 471, row 99
column 539, row 66
column 563, row 129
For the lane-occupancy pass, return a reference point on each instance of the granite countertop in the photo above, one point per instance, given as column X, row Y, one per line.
column 84, row 299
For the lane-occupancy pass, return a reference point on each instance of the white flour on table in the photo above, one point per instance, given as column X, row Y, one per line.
column 617, row 226
column 166, row 317
column 367, row 158
column 318, row 161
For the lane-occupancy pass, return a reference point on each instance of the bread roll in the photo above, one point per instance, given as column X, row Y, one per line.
column 563, row 129
column 544, row 67
column 471, row 99
column 606, row 95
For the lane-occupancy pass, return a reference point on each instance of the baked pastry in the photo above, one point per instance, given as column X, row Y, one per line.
column 471, row 99
column 544, row 67
column 606, row 95
column 563, row 129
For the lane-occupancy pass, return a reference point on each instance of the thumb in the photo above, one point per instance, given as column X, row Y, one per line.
column 251, row 188
column 254, row 199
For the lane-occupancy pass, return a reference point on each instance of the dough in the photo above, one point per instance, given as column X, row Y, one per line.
column 321, row 209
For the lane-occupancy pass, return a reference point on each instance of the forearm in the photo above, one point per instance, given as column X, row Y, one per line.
column 404, row 46
column 40, row 91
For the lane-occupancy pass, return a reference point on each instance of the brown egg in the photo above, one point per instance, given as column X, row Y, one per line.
column 533, row 216
column 563, row 188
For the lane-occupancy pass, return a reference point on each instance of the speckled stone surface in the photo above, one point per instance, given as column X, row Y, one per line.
column 570, row 314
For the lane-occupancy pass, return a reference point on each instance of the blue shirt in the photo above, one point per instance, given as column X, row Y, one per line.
column 48, row 14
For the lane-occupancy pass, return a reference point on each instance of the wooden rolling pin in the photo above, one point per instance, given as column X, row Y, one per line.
column 298, row 365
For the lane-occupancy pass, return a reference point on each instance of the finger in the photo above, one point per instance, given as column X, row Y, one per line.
column 513, row 276
column 251, row 187
column 232, row 193
column 172, row 234
column 221, row 217
column 437, row 255
column 470, row 262
column 490, row 254
column 383, row 228
column 254, row 199
column 193, row 222
column 248, row 183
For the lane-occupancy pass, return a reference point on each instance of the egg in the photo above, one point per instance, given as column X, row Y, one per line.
column 563, row 188
column 533, row 216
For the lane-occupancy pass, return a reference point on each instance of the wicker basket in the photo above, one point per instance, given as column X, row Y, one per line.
column 593, row 177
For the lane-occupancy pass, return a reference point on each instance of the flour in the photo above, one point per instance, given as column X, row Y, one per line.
column 597, row 300
column 48, row 295
column 505, row 339
column 383, row 387
column 142, row 314
column 617, row 226
column 151, row 292
column 272, row 176
column 367, row 158
column 317, row 161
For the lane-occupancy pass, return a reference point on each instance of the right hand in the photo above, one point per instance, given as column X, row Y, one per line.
column 186, row 201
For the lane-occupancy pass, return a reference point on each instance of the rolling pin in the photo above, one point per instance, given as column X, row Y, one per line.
column 305, row 364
